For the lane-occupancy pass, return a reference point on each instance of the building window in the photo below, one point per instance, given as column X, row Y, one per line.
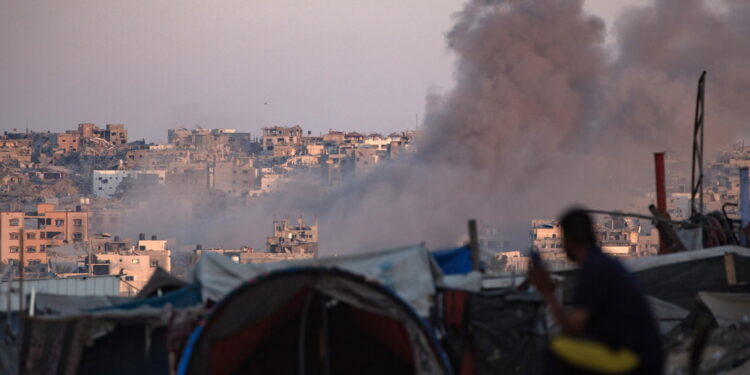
column 14, row 249
column 58, row 222
column 154, row 263
column 135, row 261
column 129, row 278
column 77, row 222
column 31, row 249
column 14, row 236
column 31, row 236
column 42, row 235
column 13, row 222
column 42, row 248
column 77, row 236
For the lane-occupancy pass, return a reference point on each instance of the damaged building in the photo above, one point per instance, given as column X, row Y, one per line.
column 289, row 237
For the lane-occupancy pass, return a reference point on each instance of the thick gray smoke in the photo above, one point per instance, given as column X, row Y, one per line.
column 543, row 115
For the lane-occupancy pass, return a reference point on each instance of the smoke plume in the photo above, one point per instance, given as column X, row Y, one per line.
column 543, row 115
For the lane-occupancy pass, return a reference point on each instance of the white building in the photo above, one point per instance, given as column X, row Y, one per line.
column 105, row 182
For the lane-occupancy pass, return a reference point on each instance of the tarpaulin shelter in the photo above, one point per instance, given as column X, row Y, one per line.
column 498, row 331
column 160, row 282
column 103, row 335
column 454, row 261
column 677, row 278
column 411, row 272
column 728, row 308
column 313, row 320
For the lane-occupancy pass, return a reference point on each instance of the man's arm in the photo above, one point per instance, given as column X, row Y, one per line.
column 572, row 320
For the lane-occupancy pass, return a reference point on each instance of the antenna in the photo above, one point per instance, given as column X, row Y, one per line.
column 697, row 178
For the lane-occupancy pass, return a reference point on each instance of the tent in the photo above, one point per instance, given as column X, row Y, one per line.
column 96, row 335
column 313, row 320
column 160, row 282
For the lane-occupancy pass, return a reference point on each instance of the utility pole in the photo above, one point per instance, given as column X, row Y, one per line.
column 474, row 245
column 20, row 271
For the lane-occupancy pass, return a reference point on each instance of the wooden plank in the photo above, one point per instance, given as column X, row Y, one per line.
column 729, row 269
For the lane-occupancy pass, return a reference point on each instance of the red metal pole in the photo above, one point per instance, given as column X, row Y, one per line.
column 661, row 193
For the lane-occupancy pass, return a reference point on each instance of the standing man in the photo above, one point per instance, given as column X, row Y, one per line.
column 609, row 327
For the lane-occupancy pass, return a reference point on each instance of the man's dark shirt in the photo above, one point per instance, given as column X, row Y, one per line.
column 619, row 316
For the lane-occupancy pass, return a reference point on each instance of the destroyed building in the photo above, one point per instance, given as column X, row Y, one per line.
column 279, row 136
column 116, row 134
column 106, row 184
column 290, row 238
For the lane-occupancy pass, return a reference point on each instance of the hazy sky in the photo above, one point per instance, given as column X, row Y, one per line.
column 242, row 64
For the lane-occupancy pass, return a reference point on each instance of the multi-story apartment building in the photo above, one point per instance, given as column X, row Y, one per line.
column 105, row 183
column 236, row 176
column 43, row 229
column 67, row 142
column 116, row 134
column 281, row 136
column 135, row 265
column 290, row 238
column 616, row 236
column 210, row 139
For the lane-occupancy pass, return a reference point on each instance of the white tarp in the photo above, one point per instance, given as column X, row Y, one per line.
column 410, row 272
column 728, row 308
column 668, row 315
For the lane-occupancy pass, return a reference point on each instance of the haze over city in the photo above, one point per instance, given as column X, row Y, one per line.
column 241, row 65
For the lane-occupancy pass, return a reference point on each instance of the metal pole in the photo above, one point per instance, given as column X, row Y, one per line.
column 474, row 244
column 91, row 261
column 744, row 203
column 661, row 192
column 697, row 171
column 20, row 272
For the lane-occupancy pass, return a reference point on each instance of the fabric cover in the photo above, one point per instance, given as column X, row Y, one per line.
column 454, row 261
column 508, row 332
column 410, row 272
column 728, row 308
column 273, row 310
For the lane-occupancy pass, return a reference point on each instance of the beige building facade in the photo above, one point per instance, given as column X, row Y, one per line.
column 43, row 229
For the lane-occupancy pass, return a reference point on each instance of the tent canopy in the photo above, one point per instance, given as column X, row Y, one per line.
column 314, row 320
column 410, row 272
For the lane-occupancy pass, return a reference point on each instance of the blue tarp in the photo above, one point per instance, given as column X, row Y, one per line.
column 181, row 298
column 454, row 261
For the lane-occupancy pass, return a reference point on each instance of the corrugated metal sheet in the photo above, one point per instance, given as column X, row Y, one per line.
column 108, row 285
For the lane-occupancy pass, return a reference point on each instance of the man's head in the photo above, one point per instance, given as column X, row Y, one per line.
column 578, row 233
